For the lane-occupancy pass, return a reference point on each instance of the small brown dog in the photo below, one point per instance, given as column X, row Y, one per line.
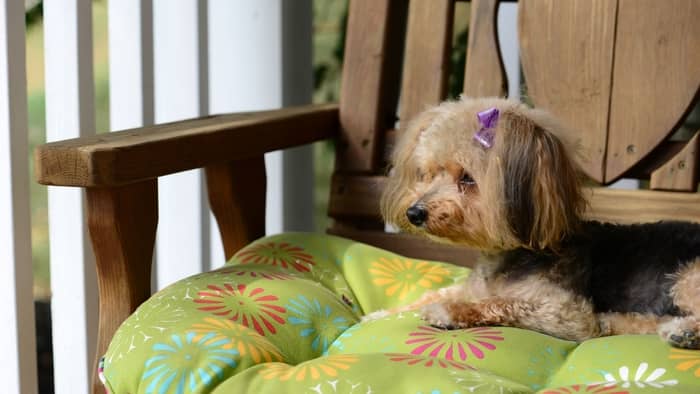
column 494, row 175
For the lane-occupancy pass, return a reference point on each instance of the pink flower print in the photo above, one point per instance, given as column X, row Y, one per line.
column 454, row 344
column 277, row 254
column 426, row 361
column 252, row 272
column 599, row 388
column 242, row 304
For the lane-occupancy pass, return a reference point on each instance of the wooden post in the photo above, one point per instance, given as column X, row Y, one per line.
column 122, row 222
column 237, row 198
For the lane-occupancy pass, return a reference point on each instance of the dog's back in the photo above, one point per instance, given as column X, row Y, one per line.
column 633, row 267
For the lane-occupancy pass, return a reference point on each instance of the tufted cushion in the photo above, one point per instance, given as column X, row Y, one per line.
column 283, row 317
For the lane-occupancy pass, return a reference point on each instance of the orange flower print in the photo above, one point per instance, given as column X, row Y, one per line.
column 278, row 254
column 688, row 360
column 246, row 341
column 401, row 277
column 327, row 367
column 598, row 388
column 240, row 303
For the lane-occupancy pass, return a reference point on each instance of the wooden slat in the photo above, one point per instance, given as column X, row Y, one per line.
column 662, row 154
column 567, row 58
column 358, row 196
column 370, row 81
column 122, row 222
column 634, row 206
column 411, row 246
column 484, row 74
column 237, row 198
column 656, row 77
column 70, row 113
column 426, row 60
column 18, row 370
column 355, row 196
column 681, row 171
column 139, row 154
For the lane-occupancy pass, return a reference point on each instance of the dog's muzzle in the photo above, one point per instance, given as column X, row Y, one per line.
column 417, row 214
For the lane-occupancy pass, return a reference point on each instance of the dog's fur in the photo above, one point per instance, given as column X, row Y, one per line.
column 520, row 202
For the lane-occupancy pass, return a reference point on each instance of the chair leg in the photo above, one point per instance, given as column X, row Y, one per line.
column 122, row 221
column 237, row 198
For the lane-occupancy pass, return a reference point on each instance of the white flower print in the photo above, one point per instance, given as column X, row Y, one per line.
column 651, row 380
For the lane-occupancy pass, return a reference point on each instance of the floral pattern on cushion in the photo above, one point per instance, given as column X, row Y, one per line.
column 283, row 316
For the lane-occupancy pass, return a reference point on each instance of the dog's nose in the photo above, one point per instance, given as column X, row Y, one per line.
column 417, row 214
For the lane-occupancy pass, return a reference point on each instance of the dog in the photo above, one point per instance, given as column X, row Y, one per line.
column 498, row 176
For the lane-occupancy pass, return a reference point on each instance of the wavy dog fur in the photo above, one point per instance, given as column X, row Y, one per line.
column 520, row 203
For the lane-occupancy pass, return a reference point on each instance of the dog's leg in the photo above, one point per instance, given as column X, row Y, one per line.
column 457, row 291
column 563, row 321
column 630, row 323
column 533, row 303
column 684, row 332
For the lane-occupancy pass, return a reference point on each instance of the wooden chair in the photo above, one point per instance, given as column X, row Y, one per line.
column 625, row 73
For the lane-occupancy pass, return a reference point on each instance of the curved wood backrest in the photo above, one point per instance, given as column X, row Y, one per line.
column 567, row 65
column 656, row 77
column 623, row 73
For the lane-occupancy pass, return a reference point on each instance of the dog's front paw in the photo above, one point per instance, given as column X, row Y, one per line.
column 437, row 315
column 681, row 332
column 376, row 315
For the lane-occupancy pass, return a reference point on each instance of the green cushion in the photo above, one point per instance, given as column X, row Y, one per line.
column 283, row 316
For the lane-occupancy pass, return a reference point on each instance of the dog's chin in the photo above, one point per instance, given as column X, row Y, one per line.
column 462, row 237
column 446, row 239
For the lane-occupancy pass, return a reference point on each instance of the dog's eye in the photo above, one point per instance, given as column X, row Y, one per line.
column 466, row 182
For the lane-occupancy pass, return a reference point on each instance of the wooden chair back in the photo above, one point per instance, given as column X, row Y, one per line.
column 624, row 73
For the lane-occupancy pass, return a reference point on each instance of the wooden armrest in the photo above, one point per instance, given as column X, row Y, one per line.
column 129, row 156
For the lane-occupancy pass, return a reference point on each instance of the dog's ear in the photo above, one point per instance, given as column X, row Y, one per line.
column 396, row 197
column 542, row 191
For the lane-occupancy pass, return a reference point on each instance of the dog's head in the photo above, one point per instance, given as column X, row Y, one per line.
column 518, row 188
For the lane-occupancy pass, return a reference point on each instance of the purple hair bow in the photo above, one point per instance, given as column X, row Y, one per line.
column 487, row 121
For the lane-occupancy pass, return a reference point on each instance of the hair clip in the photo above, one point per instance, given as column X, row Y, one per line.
column 487, row 120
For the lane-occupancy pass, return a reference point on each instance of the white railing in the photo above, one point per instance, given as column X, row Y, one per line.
column 70, row 113
column 169, row 60
column 17, row 340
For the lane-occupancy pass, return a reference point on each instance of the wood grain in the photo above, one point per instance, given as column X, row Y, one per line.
column 567, row 59
column 484, row 74
column 358, row 196
column 133, row 155
column 638, row 206
column 411, row 246
column 122, row 222
column 656, row 77
column 426, row 60
column 355, row 196
column 681, row 171
column 370, row 81
column 660, row 156
column 237, row 198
